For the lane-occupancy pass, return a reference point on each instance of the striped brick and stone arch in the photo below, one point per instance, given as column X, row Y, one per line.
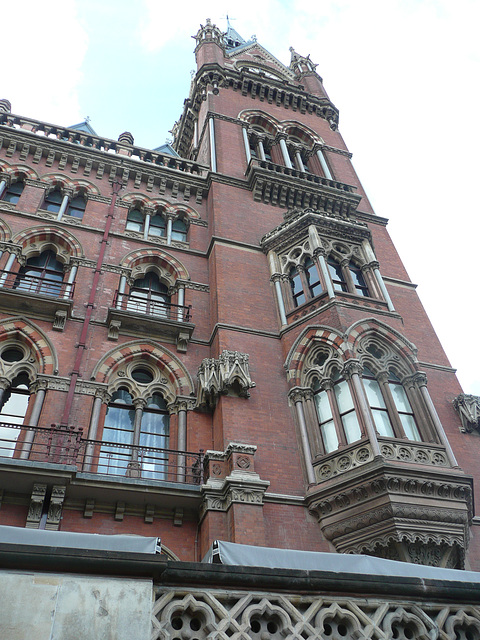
column 5, row 231
column 313, row 341
column 72, row 187
column 35, row 240
column 42, row 357
column 260, row 120
column 300, row 132
column 18, row 171
column 167, row 267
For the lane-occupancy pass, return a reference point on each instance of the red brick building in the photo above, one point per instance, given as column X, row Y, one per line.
column 218, row 341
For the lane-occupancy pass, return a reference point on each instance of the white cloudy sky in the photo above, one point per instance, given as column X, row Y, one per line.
column 404, row 74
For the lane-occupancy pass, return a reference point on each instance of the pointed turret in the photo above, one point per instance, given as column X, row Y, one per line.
column 304, row 70
column 210, row 47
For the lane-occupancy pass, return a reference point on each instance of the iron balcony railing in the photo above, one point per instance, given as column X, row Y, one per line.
column 151, row 307
column 46, row 286
column 65, row 445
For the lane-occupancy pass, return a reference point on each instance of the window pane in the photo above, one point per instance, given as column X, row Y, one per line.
column 76, row 207
column 13, row 193
column 410, row 428
column 323, row 406
column 157, row 226
column 53, row 201
column 120, row 418
column 351, row 427
column 382, row 423
column 374, row 394
column 134, row 221
column 344, row 397
column 15, row 408
column 329, row 436
column 179, row 230
column 400, row 398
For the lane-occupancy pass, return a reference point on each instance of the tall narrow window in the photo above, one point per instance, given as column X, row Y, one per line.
column 53, row 201
column 313, row 278
column 118, row 431
column 158, row 226
column 179, row 230
column 42, row 274
column 76, row 207
column 358, row 280
column 13, row 193
column 134, row 221
column 297, row 287
column 13, row 410
column 346, row 409
column 403, row 407
column 325, row 419
column 336, row 273
column 378, row 407
column 150, row 296
column 154, row 431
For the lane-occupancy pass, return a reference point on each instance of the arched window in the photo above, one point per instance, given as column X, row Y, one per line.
column 358, row 280
column 134, row 221
column 297, row 287
column 336, row 273
column 135, row 437
column 76, row 207
column 313, row 288
column 53, row 201
column 158, row 226
column 313, row 278
column 43, row 274
column 150, row 296
column 179, row 230
column 346, row 417
column 13, row 407
column 13, row 193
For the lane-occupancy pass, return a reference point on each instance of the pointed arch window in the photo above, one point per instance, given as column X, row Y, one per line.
column 313, row 278
column 53, row 201
column 150, row 296
column 76, row 207
column 358, row 280
column 43, row 274
column 13, row 193
column 179, row 230
column 13, row 408
column 158, row 226
column 296, row 285
column 336, row 273
column 134, row 221
column 312, row 287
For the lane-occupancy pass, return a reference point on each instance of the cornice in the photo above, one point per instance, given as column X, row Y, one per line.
column 235, row 243
column 400, row 283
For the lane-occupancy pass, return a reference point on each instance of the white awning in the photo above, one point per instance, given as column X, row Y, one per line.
column 246, row 555
column 70, row 540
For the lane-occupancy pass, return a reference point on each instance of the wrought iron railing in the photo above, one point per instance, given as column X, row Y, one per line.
column 151, row 307
column 65, row 445
column 36, row 285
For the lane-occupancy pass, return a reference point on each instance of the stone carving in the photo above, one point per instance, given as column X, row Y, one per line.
column 114, row 329
column 36, row 506
column 54, row 514
column 201, row 613
column 59, row 320
column 227, row 375
column 468, row 407
column 343, row 461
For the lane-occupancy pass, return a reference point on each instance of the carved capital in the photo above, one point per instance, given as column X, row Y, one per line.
column 352, row 367
column 182, row 403
column 299, row 394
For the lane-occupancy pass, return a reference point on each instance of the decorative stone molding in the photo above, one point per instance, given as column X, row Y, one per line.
column 468, row 407
column 56, row 383
column 257, row 614
column 59, row 320
column 227, row 375
column 391, row 511
column 35, row 508
column 182, row 403
column 55, row 507
column 88, row 388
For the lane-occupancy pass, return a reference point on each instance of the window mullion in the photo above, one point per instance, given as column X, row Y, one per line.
column 327, row 384
column 304, row 281
column 382, row 379
column 352, row 371
column 348, row 276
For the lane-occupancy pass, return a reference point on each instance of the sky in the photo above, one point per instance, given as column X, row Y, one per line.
column 403, row 73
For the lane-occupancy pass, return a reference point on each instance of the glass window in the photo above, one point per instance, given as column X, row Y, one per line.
column 358, row 280
column 13, row 193
column 134, row 221
column 179, row 230
column 154, row 431
column 42, row 274
column 158, row 226
column 297, row 287
column 150, row 296
column 76, row 207
column 118, row 433
column 313, row 278
column 346, row 409
column 325, row 419
column 53, row 201
column 13, row 410
column 403, row 407
column 377, row 404
column 336, row 273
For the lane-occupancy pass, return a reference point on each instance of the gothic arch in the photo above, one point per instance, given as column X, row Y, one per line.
column 38, row 239
column 296, row 361
column 17, row 328
column 176, row 380
column 18, row 170
column 256, row 117
column 60, row 180
column 305, row 134
column 357, row 336
column 142, row 260
column 5, row 231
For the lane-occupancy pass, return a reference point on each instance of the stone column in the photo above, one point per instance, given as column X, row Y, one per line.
column 101, row 397
column 4, row 385
column 70, row 280
column 352, row 370
column 319, row 254
column 3, row 185
column 121, row 291
column 299, row 160
column 286, row 157
column 274, row 266
column 323, row 164
column 39, row 389
column 213, row 153
column 246, row 144
column 181, row 302
column 261, row 149
column 169, row 229
column 421, row 381
column 296, row 395
column 146, row 226
column 63, row 207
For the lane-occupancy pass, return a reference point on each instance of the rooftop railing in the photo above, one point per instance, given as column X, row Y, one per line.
column 66, row 446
